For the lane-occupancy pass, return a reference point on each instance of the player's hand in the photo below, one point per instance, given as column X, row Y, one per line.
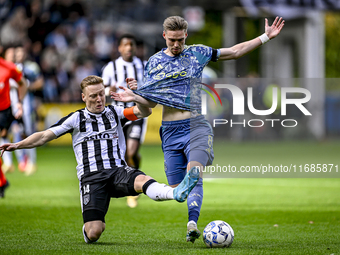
column 131, row 83
column 19, row 111
column 126, row 96
column 273, row 30
column 113, row 89
column 7, row 147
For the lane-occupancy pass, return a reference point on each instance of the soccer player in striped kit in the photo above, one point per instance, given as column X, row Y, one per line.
column 114, row 75
column 99, row 147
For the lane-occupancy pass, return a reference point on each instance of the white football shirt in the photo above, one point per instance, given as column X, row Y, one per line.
column 98, row 139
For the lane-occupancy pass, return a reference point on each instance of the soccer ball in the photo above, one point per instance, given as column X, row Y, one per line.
column 218, row 234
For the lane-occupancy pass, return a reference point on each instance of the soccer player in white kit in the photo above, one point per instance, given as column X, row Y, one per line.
column 99, row 148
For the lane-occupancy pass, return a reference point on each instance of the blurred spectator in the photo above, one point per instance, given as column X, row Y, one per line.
column 14, row 31
column 39, row 22
column 35, row 51
column 49, row 65
column 104, row 42
column 5, row 8
column 57, row 38
column 84, row 68
column 66, row 40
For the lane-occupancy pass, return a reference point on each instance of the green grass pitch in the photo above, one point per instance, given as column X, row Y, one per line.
column 41, row 213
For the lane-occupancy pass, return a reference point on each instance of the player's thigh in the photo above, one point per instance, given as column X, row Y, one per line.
column 95, row 200
column 122, row 182
column 200, row 146
column 175, row 136
column 175, row 164
column 135, row 130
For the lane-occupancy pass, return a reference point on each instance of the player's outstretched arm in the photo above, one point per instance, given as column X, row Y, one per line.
column 35, row 140
column 22, row 89
column 141, row 111
column 128, row 96
column 244, row 48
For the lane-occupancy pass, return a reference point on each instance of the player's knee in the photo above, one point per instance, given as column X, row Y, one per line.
column 130, row 154
column 3, row 133
column 94, row 233
column 136, row 157
column 133, row 157
column 174, row 185
column 140, row 181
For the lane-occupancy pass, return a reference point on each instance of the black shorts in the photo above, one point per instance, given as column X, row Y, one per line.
column 6, row 118
column 134, row 130
column 95, row 193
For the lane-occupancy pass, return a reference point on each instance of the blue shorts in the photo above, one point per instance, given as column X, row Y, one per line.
column 184, row 141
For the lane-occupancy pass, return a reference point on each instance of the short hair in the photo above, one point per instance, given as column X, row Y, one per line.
column 90, row 80
column 5, row 48
column 128, row 36
column 175, row 23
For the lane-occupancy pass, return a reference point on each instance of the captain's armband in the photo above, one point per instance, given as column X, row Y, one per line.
column 129, row 114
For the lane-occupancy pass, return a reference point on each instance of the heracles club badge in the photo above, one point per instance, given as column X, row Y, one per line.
column 110, row 116
column 86, row 199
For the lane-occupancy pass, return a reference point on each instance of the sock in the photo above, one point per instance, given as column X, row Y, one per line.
column 157, row 191
column 19, row 154
column 32, row 155
column 191, row 222
column 194, row 201
column 2, row 177
column 7, row 156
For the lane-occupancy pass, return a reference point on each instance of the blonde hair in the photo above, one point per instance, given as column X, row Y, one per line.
column 90, row 80
column 175, row 23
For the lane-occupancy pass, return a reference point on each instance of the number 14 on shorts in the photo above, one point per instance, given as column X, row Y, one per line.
column 86, row 189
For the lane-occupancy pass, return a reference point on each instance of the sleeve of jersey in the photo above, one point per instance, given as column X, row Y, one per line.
column 205, row 54
column 107, row 75
column 120, row 111
column 65, row 125
column 16, row 74
column 37, row 71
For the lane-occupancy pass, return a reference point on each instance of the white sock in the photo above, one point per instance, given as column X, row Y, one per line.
column 32, row 155
column 159, row 192
column 19, row 154
column 191, row 222
column 7, row 156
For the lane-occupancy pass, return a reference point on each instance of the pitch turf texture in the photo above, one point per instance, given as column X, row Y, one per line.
column 41, row 213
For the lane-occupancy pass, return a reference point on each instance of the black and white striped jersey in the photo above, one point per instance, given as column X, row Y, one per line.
column 98, row 139
column 115, row 73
